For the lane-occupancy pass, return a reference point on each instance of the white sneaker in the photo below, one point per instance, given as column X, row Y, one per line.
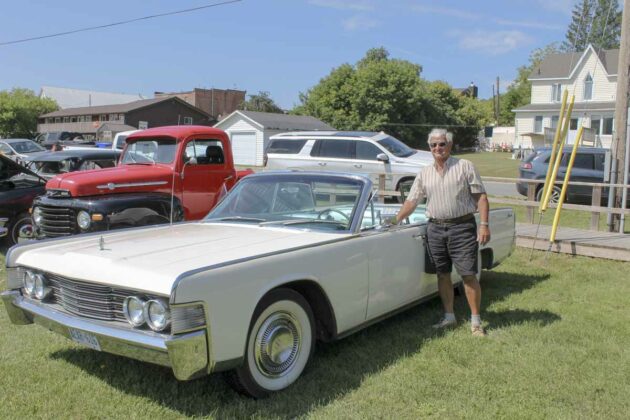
column 445, row 323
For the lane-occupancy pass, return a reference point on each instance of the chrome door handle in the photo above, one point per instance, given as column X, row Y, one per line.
column 356, row 165
column 321, row 163
column 227, row 178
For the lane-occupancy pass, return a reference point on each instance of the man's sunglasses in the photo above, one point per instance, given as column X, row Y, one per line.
column 434, row 145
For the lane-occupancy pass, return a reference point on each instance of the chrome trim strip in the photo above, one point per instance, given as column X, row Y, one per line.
column 112, row 186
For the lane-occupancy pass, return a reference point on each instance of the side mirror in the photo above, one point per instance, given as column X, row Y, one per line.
column 382, row 157
column 191, row 161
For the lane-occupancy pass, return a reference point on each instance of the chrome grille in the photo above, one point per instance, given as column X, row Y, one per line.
column 88, row 299
column 57, row 221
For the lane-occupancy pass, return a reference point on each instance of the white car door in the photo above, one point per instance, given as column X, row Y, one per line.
column 333, row 155
column 365, row 162
column 396, row 267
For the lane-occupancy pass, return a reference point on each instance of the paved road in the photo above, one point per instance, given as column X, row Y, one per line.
column 502, row 189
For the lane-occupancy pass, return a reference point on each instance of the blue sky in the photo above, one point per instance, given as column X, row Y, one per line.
column 281, row 46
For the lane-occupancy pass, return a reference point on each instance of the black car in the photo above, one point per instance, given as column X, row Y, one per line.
column 18, row 187
column 589, row 166
column 49, row 164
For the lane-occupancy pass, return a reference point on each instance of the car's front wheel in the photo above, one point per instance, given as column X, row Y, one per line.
column 279, row 345
column 21, row 227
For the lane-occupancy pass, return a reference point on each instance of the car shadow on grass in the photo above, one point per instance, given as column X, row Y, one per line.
column 335, row 370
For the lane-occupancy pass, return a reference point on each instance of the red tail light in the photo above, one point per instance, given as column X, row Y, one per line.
column 526, row 166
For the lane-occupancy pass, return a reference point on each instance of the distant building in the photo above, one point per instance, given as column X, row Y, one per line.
column 592, row 77
column 216, row 102
column 471, row 91
column 249, row 132
column 146, row 113
column 75, row 98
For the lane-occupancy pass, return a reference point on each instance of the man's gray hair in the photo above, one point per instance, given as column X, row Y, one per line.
column 440, row 132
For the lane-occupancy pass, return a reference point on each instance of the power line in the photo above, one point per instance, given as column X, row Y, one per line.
column 109, row 25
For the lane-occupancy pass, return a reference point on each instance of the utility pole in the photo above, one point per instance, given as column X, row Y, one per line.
column 498, row 101
column 621, row 109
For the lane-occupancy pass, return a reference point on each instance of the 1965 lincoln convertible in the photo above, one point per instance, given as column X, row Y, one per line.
column 284, row 260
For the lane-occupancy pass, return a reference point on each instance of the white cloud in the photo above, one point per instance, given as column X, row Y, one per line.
column 357, row 22
column 491, row 42
column 359, row 5
column 462, row 14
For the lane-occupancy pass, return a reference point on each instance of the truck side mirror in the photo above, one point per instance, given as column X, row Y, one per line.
column 382, row 157
column 191, row 161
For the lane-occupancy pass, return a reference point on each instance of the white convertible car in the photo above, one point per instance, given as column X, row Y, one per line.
column 284, row 260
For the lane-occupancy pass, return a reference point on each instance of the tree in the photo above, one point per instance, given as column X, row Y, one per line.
column 596, row 22
column 261, row 102
column 19, row 110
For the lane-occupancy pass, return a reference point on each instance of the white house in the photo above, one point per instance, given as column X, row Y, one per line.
column 249, row 132
column 591, row 77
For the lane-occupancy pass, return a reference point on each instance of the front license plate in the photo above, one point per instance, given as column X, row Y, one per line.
column 84, row 338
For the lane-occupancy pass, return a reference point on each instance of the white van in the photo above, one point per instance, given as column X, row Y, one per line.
column 119, row 139
column 367, row 153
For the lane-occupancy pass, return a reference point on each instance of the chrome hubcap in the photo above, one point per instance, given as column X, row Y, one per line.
column 277, row 344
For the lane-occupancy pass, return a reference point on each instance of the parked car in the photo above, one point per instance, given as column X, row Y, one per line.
column 51, row 138
column 284, row 260
column 18, row 187
column 49, row 164
column 19, row 149
column 165, row 174
column 359, row 152
column 589, row 166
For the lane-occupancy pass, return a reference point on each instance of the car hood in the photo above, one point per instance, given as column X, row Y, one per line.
column 421, row 158
column 120, row 179
column 9, row 169
column 151, row 259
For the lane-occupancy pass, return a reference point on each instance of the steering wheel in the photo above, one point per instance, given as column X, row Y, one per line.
column 324, row 212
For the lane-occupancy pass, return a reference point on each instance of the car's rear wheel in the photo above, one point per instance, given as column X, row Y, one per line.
column 555, row 195
column 279, row 345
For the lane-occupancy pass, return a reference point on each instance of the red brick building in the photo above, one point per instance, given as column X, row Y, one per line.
column 216, row 102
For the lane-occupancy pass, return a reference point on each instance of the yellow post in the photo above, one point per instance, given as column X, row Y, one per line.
column 565, row 186
column 554, row 148
column 554, row 173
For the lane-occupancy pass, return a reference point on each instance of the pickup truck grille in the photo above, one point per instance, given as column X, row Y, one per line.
column 57, row 221
column 88, row 299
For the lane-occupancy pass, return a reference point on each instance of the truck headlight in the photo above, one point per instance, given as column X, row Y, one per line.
column 41, row 287
column 133, row 308
column 157, row 314
column 83, row 220
column 37, row 215
column 29, row 283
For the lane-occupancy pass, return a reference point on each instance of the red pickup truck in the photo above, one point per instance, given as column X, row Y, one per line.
column 166, row 173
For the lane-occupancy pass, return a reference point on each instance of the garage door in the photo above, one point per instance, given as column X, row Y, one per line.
column 244, row 148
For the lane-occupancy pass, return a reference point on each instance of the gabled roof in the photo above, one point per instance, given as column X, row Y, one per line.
column 563, row 65
column 119, row 109
column 284, row 122
column 72, row 98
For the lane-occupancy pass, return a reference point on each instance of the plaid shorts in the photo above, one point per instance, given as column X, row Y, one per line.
column 454, row 244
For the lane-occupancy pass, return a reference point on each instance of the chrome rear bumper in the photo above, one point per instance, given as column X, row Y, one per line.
column 186, row 354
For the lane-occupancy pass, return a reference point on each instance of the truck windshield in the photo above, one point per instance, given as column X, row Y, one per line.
column 396, row 147
column 143, row 151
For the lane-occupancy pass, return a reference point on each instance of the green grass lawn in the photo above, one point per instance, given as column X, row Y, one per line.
column 557, row 348
column 496, row 164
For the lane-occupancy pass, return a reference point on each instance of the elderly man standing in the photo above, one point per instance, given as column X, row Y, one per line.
column 454, row 192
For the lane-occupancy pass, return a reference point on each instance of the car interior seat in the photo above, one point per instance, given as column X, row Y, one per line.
column 214, row 154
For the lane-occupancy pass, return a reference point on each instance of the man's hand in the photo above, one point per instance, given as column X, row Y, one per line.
column 483, row 234
column 389, row 220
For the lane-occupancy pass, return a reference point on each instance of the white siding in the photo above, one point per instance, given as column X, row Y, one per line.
column 237, row 124
column 541, row 92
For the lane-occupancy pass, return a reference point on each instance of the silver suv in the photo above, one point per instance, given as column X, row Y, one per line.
column 362, row 152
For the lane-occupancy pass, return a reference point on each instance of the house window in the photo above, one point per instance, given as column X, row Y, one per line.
column 102, row 117
column 573, row 124
column 57, row 119
column 588, row 88
column 554, row 121
column 188, row 120
column 66, row 119
column 556, row 88
column 607, row 128
column 538, row 128
column 596, row 124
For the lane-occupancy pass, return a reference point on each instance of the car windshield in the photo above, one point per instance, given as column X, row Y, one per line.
column 27, row 147
column 151, row 150
column 301, row 201
column 396, row 147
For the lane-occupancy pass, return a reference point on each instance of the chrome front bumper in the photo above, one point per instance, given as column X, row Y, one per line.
column 186, row 354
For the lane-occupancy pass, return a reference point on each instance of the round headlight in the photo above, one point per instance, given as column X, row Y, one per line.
column 29, row 283
column 157, row 314
column 37, row 215
column 133, row 308
column 83, row 220
column 41, row 289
